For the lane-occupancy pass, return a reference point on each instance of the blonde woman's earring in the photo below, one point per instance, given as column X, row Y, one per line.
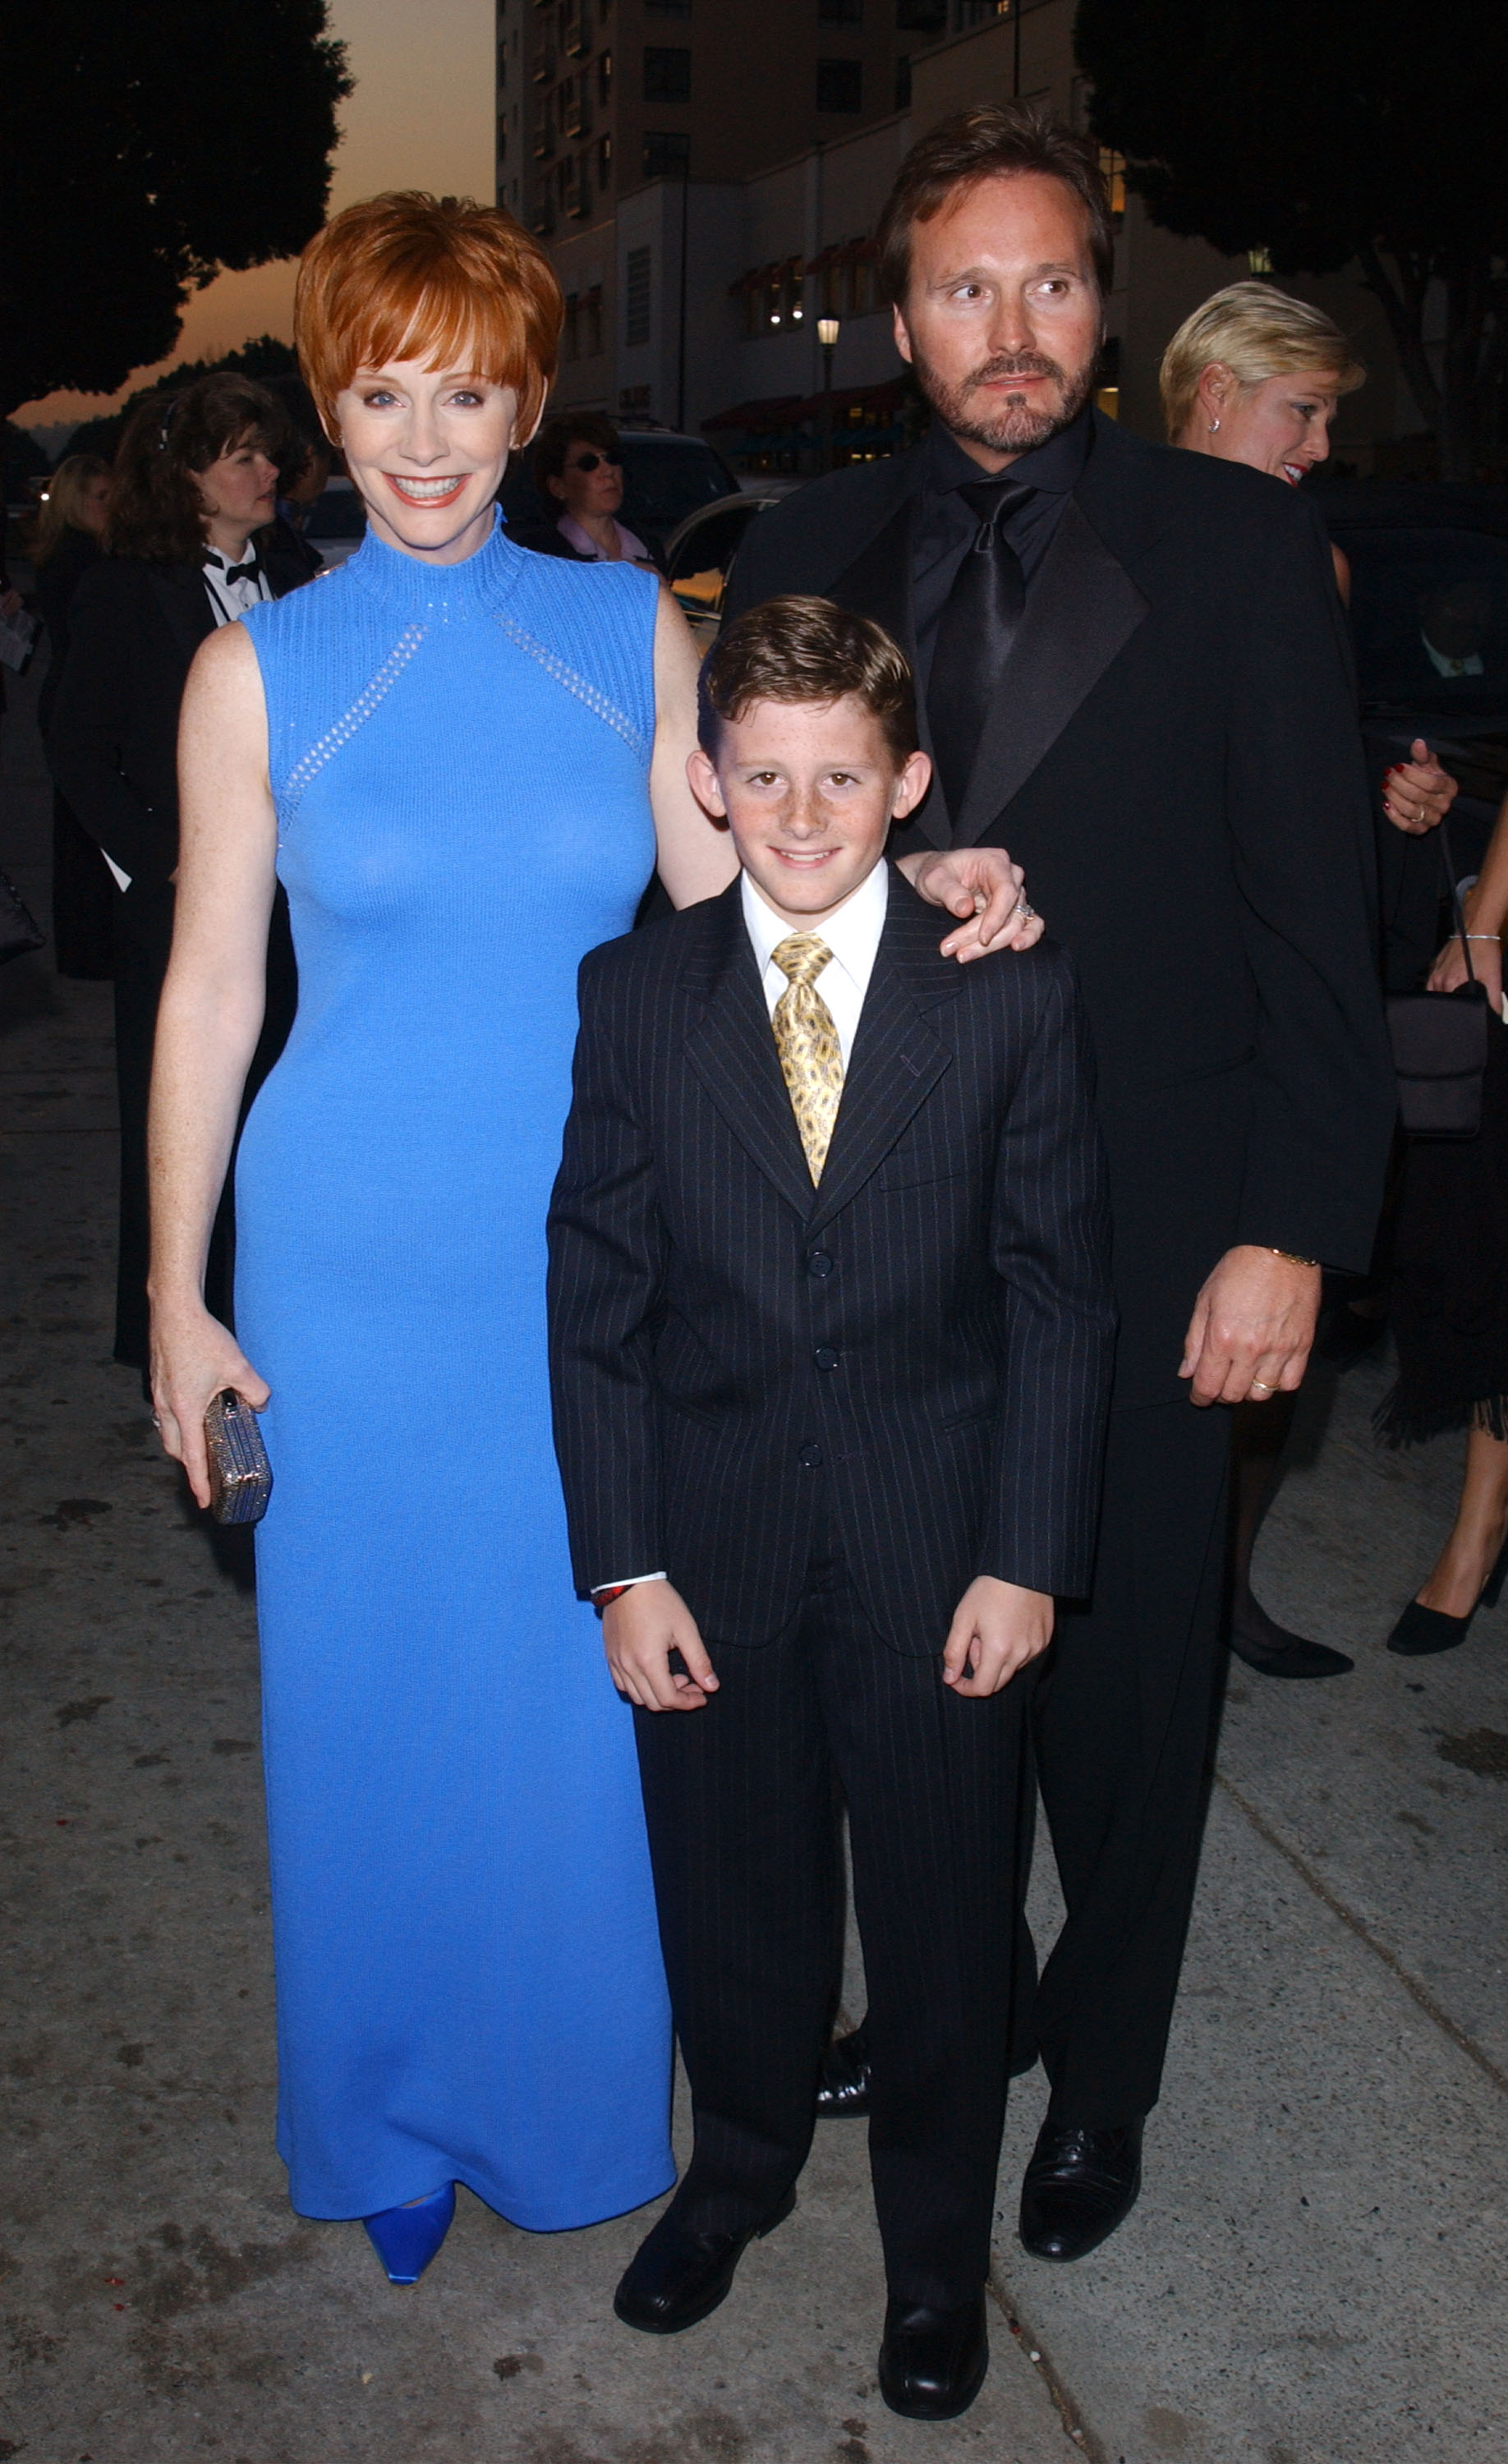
column 1214, row 426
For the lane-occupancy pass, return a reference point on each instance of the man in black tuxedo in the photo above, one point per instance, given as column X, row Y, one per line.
column 831, row 1334
column 1134, row 672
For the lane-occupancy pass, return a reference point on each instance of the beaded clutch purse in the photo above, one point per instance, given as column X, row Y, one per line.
column 240, row 1475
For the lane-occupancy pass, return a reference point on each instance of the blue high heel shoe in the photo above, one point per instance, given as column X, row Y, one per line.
column 405, row 2240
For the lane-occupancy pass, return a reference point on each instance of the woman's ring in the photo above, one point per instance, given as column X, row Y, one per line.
column 1260, row 1387
column 1025, row 911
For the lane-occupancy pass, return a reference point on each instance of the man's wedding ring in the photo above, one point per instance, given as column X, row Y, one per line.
column 1024, row 912
column 1260, row 1387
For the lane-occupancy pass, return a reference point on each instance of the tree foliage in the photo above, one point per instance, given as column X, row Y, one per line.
column 1362, row 130
column 148, row 146
column 264, row 357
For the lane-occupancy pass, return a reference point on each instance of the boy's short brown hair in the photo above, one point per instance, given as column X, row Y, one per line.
column 807, row 650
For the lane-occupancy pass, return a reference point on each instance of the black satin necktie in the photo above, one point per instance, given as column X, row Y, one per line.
column 974, row 633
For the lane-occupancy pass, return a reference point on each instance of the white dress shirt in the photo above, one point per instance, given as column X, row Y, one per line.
column 852, row 932
column 229, row 600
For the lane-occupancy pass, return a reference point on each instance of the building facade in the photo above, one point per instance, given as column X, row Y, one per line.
column 695, row 279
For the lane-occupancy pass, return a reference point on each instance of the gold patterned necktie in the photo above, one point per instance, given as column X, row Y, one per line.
column 806, row 1039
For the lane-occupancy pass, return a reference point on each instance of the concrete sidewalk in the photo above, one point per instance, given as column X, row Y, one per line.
column 1315, row 2275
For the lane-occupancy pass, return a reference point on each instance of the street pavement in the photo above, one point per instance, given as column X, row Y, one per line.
column 1315, row 2273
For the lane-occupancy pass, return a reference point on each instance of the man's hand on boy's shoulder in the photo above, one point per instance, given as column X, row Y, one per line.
column 997, row 1627
column 983, row 885
column 644, row 1629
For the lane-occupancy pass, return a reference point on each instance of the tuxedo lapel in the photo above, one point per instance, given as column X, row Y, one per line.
column 731, row 1050
column 1080, row 612
column 897, row 1059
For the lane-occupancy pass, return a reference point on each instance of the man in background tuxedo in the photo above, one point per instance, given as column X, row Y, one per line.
column 1133, row 673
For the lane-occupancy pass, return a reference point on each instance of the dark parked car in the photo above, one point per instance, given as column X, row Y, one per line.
column 1429, row 621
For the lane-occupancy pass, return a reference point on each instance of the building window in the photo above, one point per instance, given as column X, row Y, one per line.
column 593, row 322
column 921, row 17
column 604, row 163
column 667, row 7
column 667, row 154
column 840, row 13
column 667, row 74
column 1112, row 171
column 605, row 77
column 903, row 81
column 636, row 298
column 571, row 337
column 840, row 85
column 1107, row 377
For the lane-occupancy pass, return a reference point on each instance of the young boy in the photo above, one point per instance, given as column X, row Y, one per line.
column 831, row 1331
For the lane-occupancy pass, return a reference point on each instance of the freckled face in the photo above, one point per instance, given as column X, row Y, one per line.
column 809, row 790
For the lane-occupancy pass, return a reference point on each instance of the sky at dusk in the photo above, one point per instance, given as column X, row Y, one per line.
column 421, row 118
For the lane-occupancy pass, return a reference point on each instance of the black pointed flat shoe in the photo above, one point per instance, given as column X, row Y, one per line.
column 844, row 2089
column 1259, row 1641
column 1421, row 1631
column 1079, row 2185
column 933, row 2362
column 679, row 2275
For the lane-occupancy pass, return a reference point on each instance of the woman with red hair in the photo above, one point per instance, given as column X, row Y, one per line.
column 464, row 761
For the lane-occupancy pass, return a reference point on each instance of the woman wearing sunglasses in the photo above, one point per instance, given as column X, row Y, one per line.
column 577, row 464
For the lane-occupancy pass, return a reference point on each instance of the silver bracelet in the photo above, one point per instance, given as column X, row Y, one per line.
column 1482, row 936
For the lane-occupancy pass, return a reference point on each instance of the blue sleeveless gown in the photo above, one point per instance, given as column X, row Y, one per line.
column 469, row 1976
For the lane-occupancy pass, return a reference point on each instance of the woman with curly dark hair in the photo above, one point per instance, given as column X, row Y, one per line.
column 196, row 486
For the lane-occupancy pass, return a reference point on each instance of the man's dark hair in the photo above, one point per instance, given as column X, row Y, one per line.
column 557, row 436
column 155, row 511
column 807, row 650
column 984, row 143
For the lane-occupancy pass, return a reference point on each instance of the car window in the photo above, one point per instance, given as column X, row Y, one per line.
column 1430, row 614
column 665, row 480
column 337, row 514
column 710, row 544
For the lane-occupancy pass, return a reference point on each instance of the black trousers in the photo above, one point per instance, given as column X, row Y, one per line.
column 742, row 1804
column 1122, row 1717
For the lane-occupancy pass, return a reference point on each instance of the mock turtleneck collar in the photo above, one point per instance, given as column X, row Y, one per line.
column 438, row 594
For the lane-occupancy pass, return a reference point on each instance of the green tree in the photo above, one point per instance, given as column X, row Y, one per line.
column 1365, row 131
column 148, row 146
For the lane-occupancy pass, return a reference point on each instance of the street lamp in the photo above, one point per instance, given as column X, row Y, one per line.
column 827, row 336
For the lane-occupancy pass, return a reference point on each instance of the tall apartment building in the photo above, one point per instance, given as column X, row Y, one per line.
column 597, row 97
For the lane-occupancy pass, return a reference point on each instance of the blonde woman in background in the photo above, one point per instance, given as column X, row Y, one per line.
column 1255, row 376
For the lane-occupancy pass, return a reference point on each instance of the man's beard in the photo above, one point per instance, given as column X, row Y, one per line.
column 1007, row 427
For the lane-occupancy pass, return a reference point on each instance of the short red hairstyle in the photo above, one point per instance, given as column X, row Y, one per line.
column 439, row 279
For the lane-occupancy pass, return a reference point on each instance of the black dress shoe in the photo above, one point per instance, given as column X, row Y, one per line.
column 679, row 2275
column 843, row 2089
column 1079, row 2185
column 1420, row 1631
column 933, row 2361
column 1273, row 1651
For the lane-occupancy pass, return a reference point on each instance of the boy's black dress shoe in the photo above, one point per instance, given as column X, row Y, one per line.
column 933, row 2361
column 843, row 2089
column 679, row 2275
column 1079, row 2185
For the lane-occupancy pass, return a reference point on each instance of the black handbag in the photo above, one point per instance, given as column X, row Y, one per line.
column 19, row 929
column 1439, row 1043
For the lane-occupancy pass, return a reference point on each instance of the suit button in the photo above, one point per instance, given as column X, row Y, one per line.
column 818, row 1263
column 825, row 1357
column 810, row 1458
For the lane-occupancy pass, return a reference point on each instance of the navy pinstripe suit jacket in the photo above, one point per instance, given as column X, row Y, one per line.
column 921, row 1347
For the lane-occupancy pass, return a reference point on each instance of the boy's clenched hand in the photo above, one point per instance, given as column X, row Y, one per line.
column 997, row 1628
column 641, row 1629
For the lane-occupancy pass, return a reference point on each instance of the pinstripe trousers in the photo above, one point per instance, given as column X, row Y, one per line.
column 742, row 1802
